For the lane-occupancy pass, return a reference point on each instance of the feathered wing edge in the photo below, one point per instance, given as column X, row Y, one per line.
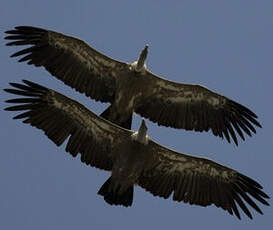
column 200, row 181
column 61, row 118
column 69, row 59
column 194, row 107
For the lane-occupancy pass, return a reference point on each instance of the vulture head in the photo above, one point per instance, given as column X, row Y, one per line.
column 141, row 135
column 139, row 65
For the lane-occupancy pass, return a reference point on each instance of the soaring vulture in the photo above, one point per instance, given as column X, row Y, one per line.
column 132, row 157
column 131, row 87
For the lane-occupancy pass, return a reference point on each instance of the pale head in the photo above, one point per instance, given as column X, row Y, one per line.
column 139, row 65
column 141, row 135
column 143, row 128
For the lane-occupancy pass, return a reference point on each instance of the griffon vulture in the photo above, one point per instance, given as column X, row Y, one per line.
column 131, row 87
column 132, row 157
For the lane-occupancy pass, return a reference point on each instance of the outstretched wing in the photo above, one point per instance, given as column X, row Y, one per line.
column 60, row 117
column 199, row 181
column 69, row 59
column 194, row 107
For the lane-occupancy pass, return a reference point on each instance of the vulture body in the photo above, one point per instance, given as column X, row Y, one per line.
column 131, row 87
column 132, row 157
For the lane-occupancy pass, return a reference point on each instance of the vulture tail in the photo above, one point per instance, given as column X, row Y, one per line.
column 115, row 194
column 116, row 118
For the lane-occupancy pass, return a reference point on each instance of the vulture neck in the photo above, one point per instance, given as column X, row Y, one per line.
column 141, row 60
column 141, row 135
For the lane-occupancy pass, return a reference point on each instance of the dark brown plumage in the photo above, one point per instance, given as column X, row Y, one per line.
column 132, row 157
column 131, row 87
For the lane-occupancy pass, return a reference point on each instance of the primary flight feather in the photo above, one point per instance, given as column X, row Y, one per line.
column 131, row 87
column 132, row 157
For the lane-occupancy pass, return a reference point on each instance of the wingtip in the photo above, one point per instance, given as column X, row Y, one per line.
column 31, row 83
column 9, row 43
column 259, row 124
column 18, row 27
column 23, row 27
column 13, row 55
column 8, row 101
column 238, row 215
column 7, row 90
column 9, row 31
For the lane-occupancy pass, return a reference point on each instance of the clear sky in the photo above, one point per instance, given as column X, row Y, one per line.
column 224, row 45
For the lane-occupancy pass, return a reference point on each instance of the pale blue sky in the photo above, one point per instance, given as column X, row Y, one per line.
column 223, row 45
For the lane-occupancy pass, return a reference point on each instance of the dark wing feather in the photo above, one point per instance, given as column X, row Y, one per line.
column 69, row 59
column 60, row 117
column 199, row 181
column 194, row 107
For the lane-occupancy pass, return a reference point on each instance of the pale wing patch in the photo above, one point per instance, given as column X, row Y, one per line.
column 187, row 96
column 166, row 85
column 173, row 162
column 195, row 93
column 100, row 129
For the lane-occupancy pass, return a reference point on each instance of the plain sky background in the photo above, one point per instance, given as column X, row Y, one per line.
column 226, row 46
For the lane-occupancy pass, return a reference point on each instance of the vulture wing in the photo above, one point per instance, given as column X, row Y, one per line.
column 199, row 181
column 60, row 117
column 194, row 107
column 69, row 59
